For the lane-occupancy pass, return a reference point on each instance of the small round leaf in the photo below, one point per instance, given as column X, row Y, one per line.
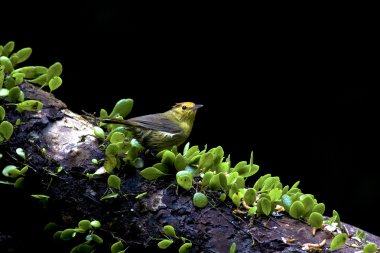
column 185, row 179
column 117, row 247
column 370, row 248
column 95, row 224
column 122, row 108
column 297, row 209
column 169, row 231
column 185, row 248
column 164, row 244
column 98, row 132
column 67, row 234
column 338, row 241
column 200, row 200
column 84, row 224
column 315, row 220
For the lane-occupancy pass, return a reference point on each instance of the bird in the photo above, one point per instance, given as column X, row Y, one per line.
column 160, row 131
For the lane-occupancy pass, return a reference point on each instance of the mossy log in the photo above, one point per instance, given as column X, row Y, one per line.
column 69, row 142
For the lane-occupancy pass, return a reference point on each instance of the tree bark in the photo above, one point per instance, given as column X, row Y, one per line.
column 69, row 142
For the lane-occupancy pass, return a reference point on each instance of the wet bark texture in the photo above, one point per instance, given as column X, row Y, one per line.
column 69, row 141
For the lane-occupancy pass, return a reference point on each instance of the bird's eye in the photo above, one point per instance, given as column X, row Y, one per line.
column 184, row 107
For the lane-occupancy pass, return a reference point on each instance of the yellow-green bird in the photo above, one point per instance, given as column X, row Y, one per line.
column 161, row 131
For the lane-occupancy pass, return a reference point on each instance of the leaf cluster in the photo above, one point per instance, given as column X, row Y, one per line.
column 170, row 237
column 86, row 230
column 120, row 146
column 11, row 77
column 12, row 172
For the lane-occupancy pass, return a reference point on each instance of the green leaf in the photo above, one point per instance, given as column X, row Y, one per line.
column 259, row 183
column 222, row 197
column 250, row 196
column 319, row 208
column 308, row 203
column 95, row 224
column 370, row 248
column 295, row 185
column 11, row 171
column 180, row 162
column 223, row 180
column 152, row 173
column 99, row 133
column 55, row 83
column 286, row 202
column 2, row 113
column 164, row 244
column 110, row 163
column 206, row 161
column 186, row 148
column 236, row 199
column 40, row 80
column 8, row 48
column 84, row 224
column 14, row 94
column 22, row 55
column 95, row 238
column 169, row 231
column 1, row 76
column 275, row 194
column 200, row 200
column 218, row 154
column 42, row 197
column 114, row 182
column 110, row 196
column 19, row 182
column 265, row 206
column 31, row 71
column 185, row 179
column 168, row 157
column 297, row 209
column 231, row 178
column 117, row 247
column 6, row 182
column 112, row 149
column 68, row 234
column 162, row 167
column 20, row 152
column 215, row 183
column 185, row 248
column 316, row 220
column 252, row 211
column 29, row 105
column 206, row 178
column 232, row 248
column 242, row 168
column 6, row 62
column 122, row 108
column 51, row 226
column 240, row 182
column 194, row 150
column 337, row 218
column 269, row 183
column 117, row 137
column 338, row 241
column 54, row 70
column 4, row 92
column 83, row 248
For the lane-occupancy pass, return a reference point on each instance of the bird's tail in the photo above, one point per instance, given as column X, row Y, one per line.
column 115, row 121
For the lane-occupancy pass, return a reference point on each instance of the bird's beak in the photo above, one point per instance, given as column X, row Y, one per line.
column 195, row 107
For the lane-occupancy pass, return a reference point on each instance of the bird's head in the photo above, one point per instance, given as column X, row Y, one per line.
column 185, row 111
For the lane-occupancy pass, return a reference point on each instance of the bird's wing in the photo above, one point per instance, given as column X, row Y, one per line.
column 155, row 122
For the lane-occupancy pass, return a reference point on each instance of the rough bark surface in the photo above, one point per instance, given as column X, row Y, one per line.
column 69, row 141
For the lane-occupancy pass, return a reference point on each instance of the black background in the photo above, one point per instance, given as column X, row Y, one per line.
column 296, row 87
